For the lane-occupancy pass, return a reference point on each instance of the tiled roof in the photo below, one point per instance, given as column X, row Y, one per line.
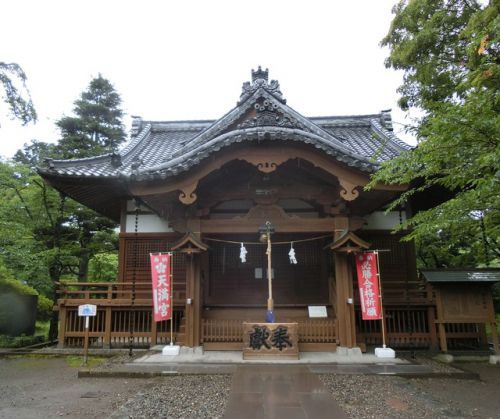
column 161, row 149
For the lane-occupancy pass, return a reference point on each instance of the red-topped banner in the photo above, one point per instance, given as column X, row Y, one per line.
column 366, row 265
column 160, row 278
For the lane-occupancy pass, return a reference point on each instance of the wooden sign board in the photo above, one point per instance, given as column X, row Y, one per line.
column 465, row 304
column 317, row 311
column 270, row 340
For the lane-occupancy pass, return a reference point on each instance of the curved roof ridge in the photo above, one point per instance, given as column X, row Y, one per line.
column 250, row 134
column 395, row 141
column 135, row 141
column 340, row 117
column 232, row 116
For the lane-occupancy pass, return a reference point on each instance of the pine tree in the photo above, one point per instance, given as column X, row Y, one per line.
column 97, row 127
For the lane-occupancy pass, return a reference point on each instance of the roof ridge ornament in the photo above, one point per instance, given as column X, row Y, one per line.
column 260, row 74
column 260, row 79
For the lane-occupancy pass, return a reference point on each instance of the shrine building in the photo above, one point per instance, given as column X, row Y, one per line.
column 205, row 189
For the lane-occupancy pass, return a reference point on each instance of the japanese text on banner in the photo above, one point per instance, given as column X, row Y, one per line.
column 366, row 266
column 160, row 279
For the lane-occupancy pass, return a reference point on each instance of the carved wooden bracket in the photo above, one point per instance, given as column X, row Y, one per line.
column 263, row 162
column 348, row 191
column 187, row 195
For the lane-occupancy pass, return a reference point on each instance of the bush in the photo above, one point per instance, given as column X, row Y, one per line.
column 18, row 306
column 19, row 341
column 44, row 308
column 8, row 285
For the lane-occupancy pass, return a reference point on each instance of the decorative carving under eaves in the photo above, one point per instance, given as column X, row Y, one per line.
column 348, row 190
column 188, row 195
column 268, row 115
column 260, row 79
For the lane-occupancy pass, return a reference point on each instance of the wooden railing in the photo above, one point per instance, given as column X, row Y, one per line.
column 76, row 293
column 405, row 326
column 119, row 307
column 222, row 330
column 414, row 327
column 111, row 327
column 229, row 332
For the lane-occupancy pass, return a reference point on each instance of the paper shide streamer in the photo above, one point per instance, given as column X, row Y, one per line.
column 243, row 253
column 291, row 255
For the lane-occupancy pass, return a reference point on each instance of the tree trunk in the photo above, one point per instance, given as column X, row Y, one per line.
column 55, row 275
column 83, row 267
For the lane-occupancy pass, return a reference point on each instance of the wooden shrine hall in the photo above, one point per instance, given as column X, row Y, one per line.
column 204, row 189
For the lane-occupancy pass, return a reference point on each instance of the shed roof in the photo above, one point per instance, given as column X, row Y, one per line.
column 458, row 275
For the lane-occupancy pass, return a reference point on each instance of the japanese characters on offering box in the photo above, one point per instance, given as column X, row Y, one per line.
column 261, row 337
column 366, row 266
column 161, row 277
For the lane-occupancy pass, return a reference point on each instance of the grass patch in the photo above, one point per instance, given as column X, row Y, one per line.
column 19, row 341
column 40, row 336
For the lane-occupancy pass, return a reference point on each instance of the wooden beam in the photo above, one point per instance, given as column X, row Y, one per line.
column 266, row 160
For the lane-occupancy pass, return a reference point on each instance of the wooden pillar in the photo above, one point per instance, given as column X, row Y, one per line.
column 154, row 328
column 346, row 330
column 192, row 247
column 431, row 320
column 62, row 327
column 193, row 300
column 189, row 296
column 107, row 328
column 197, row 303
column 439, row 321
column 344, row 305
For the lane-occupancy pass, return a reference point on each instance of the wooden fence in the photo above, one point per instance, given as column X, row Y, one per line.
column 121, row 308
column 413, row 327
column 227, row 334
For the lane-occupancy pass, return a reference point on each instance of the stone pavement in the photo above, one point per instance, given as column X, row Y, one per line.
column 278, row 391
column 227, row 362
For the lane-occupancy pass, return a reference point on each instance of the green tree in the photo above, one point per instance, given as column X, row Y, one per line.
column 16, row 95
column 46, row 237
column 97, row 127
column 449, row 53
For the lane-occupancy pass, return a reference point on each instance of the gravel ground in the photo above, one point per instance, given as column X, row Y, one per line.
column 369, row 396
column 186, row 396
column 375, row 396
column 34, row 387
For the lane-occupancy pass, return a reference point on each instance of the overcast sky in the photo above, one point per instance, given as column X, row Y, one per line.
column 177, row 60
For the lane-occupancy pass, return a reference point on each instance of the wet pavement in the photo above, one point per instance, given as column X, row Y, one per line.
column 273, row 391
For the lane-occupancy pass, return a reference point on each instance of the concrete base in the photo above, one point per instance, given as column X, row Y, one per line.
column 445, row 358
column 195, row 350
column 350, row 352
column 494, row 359
column 171, row 350
column 385, row 353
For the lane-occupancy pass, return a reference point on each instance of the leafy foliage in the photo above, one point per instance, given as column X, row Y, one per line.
column 17, row 98
column 448, row 50
column 9, row 284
